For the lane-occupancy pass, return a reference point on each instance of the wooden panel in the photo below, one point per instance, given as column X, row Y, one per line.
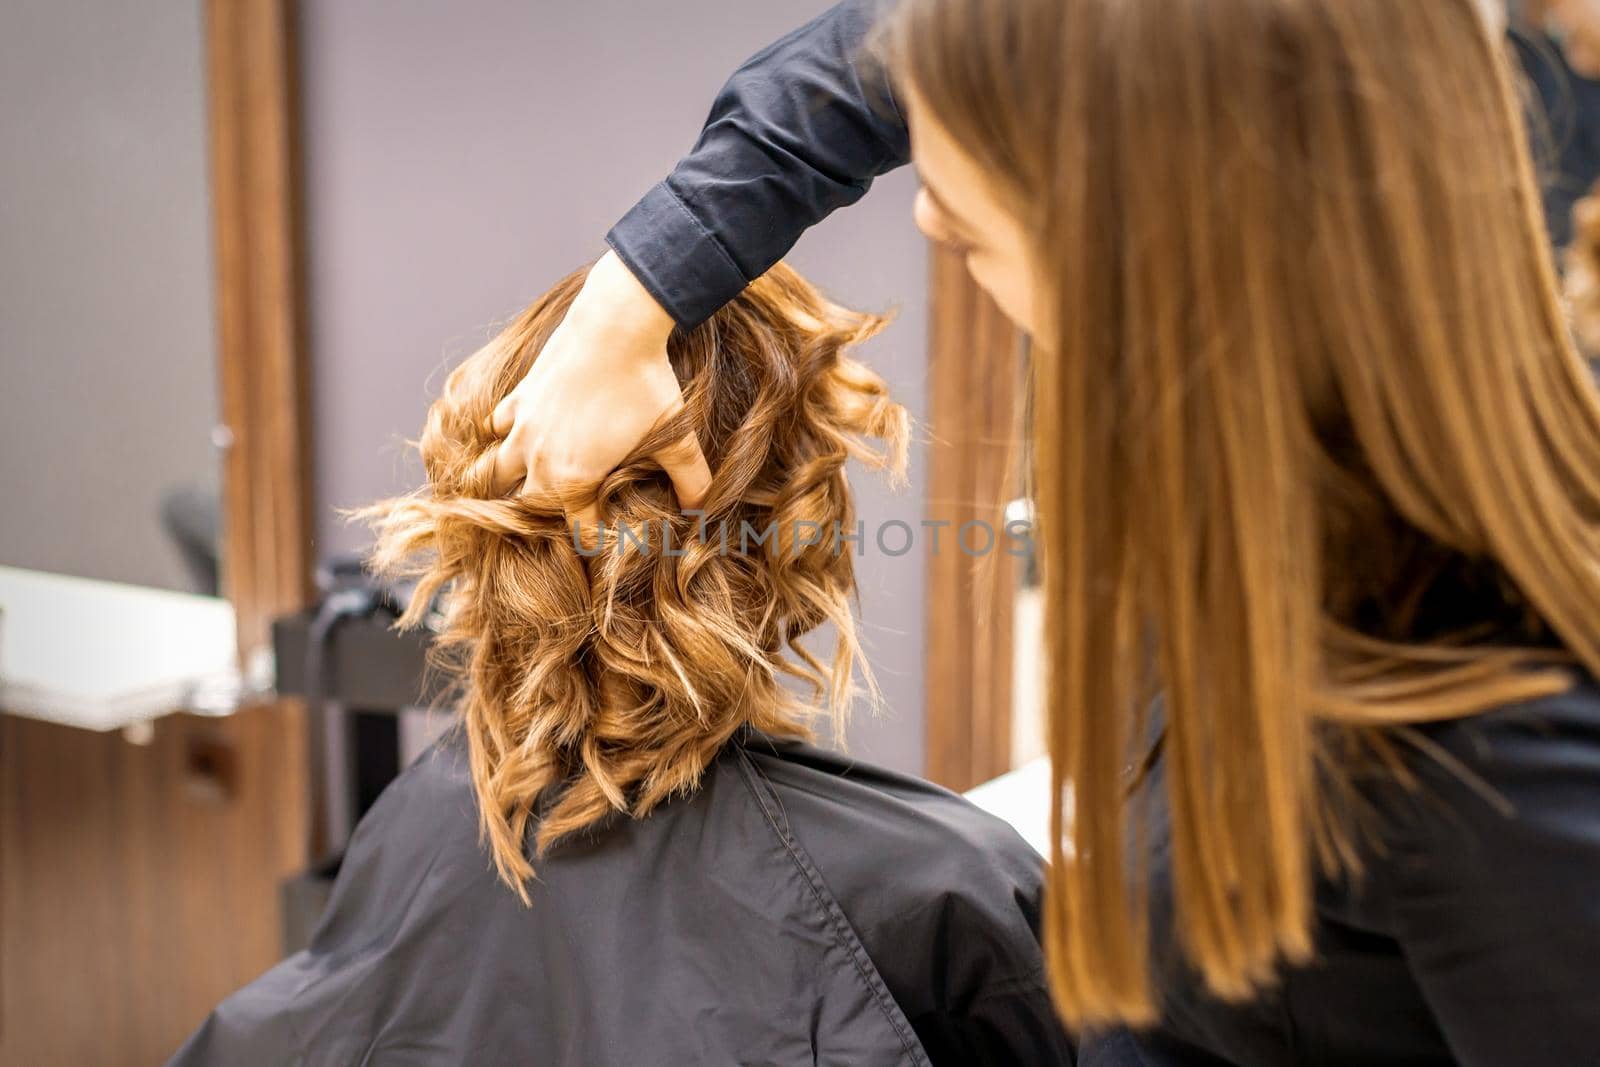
column 138, row 884
column 975, row 387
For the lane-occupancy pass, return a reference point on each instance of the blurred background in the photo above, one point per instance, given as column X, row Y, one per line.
column 240, row 244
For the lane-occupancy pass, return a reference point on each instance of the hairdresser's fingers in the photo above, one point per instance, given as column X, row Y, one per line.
column 686, row 465
column 584, row 523
column 504, row 415
column 600, row 381
column 510, row 465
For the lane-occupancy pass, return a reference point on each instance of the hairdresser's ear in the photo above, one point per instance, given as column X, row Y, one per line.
column 686, row 465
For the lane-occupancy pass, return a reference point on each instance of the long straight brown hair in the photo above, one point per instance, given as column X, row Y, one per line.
column 1305, row 365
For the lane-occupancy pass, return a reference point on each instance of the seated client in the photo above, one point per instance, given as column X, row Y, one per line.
column 625, row 848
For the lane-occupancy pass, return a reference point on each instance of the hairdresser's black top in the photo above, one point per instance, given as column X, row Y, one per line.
column 799, row 130
column 1477, row 938
column 1473, row 938
column 799, row 908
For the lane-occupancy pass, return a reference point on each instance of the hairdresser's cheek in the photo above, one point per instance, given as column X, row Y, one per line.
column 1006, row 285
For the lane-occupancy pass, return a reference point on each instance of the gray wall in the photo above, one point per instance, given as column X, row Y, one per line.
column 107, row 353
column 461, row 157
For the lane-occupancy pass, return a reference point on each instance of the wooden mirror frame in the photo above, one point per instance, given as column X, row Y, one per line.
column 260, row 297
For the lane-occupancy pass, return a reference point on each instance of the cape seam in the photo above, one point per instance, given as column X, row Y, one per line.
column 842, row 930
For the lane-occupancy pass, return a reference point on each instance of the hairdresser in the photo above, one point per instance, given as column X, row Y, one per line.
column 1317, row 468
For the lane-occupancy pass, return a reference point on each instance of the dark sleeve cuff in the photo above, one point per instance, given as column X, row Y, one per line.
column 675, row 257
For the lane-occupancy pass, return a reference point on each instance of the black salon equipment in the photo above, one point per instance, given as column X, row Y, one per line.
column 356, row 673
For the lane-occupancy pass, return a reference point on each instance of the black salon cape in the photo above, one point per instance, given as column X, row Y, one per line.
column 800, row 908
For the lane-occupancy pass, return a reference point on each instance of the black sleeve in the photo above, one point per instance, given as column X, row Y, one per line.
column 1497, row 901
column 800, row 129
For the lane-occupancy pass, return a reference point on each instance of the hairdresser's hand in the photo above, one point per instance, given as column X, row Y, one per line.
column 599, row 385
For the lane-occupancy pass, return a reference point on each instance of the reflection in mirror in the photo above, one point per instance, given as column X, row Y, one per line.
column 107, row 463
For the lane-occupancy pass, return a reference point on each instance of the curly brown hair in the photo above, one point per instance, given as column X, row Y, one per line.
column 604, row 678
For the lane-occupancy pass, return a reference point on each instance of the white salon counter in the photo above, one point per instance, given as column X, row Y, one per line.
column 104, row 655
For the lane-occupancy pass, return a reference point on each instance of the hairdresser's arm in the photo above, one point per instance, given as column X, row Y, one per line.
column 1497, row 899
column 799, row 130
column 802, row 128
